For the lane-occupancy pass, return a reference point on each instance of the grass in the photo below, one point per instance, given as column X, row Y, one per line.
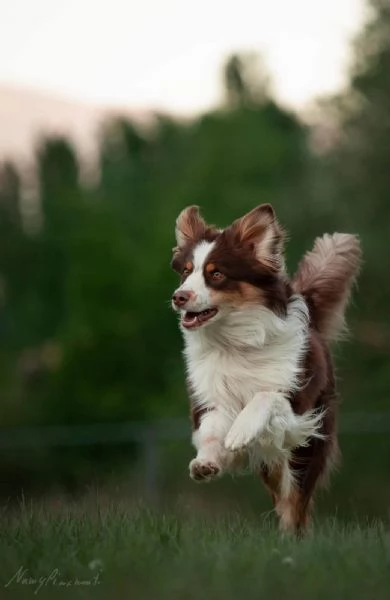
column 136, row 553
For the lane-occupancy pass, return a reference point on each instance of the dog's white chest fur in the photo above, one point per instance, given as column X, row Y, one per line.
column 253, row 351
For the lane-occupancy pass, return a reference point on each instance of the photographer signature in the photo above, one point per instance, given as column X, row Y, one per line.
column 53, row 579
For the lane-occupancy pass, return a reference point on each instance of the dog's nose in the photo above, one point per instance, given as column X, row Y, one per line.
column 181, row 297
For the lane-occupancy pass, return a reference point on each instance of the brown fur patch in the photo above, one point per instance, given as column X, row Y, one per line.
column 247, row 280
column 243, row 294
column 196, row 415
column 310, row 464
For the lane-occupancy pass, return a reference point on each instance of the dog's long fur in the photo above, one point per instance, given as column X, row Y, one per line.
column 259, row 369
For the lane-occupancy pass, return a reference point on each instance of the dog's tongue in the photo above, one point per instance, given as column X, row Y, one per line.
column 192, row 319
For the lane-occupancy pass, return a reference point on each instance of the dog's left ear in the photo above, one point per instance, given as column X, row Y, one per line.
column 190, row 226
column 260, row 231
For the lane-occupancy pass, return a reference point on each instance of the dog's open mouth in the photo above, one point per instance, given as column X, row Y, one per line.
column 196, row 319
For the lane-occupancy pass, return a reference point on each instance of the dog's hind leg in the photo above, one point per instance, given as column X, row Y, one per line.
column 289, row 501
column 292, row 503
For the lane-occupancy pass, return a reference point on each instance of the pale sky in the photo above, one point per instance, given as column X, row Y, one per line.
column 167, row 54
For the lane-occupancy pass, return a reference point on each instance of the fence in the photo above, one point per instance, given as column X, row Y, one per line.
column 150, row 435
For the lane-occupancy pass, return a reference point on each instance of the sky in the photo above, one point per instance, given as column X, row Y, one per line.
column 167, row 54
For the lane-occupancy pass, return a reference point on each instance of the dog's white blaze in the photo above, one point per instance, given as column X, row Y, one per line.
column 196, row 281
column 200, row 254
column 243, row 367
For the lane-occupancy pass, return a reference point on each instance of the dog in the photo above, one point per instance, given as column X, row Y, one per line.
column 259, row 368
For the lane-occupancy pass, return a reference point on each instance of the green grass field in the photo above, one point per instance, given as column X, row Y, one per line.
column 127, row 552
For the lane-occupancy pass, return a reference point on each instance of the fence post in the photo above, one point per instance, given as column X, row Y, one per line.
column 151, row 464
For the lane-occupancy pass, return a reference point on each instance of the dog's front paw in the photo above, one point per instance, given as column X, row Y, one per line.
column 202, row 470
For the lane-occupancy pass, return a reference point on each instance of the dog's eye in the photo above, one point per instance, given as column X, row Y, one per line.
column 186, row 272
column 217, row 276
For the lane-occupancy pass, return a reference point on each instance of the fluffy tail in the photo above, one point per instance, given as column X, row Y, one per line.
column 325, row 277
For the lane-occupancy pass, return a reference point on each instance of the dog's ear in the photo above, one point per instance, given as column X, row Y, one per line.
column 190, row 227
column 260, row 231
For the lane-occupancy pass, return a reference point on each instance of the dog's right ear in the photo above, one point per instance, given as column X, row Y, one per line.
column 190, row 227
column 260, row 231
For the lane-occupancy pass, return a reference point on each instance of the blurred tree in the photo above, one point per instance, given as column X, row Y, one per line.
column 125, row 174
column 58, row 173
column 61, row 206
column 365, row 114
column 246, row 80
column 10, row 242
column 357, row 165
column 350, row 192
column 9, row 197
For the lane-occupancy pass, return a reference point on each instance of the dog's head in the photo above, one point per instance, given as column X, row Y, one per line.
column 227, row 270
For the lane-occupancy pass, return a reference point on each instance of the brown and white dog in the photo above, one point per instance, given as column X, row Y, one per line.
column 260, row 374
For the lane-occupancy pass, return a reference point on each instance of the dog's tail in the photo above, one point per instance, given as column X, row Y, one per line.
column 325, row 278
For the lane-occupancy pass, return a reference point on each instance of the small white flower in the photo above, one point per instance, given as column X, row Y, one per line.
column 287, row 560
column 95, row 564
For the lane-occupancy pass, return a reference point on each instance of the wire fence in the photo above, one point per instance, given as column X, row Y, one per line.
column 150, row 434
